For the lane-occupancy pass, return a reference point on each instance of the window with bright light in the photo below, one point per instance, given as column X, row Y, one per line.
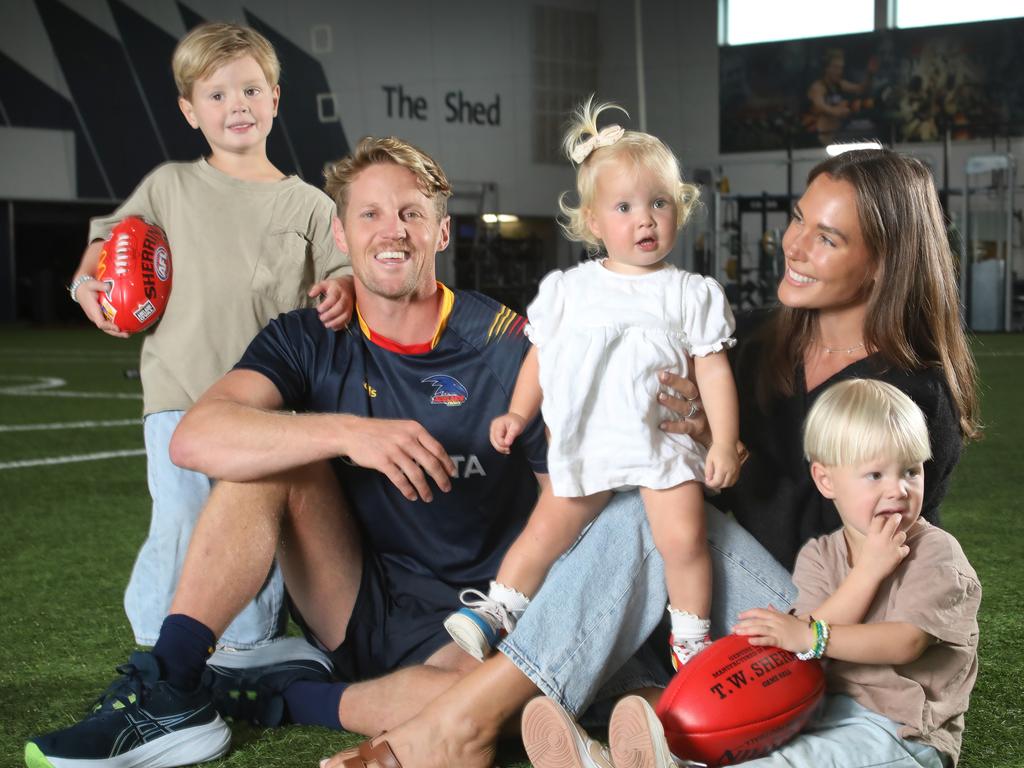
column 927, row 13
column 757, row 21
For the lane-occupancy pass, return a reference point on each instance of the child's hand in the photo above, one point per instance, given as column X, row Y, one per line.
column 884, row 546
column 88, row 295
column 504, row 431
column 769, row 626
column 339, row 297
column 722, row 467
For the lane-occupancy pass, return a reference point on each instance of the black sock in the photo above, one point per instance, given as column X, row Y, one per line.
column 314, row 703
column 182, row 649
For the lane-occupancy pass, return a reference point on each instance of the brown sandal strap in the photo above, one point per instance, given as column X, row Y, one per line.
column 373, row 754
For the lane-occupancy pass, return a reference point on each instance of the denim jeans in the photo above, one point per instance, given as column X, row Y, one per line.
column 583, row 637
column 843, row 734
column 179, row 495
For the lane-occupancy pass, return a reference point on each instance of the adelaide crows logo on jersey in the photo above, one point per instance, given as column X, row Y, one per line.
column 447, row 390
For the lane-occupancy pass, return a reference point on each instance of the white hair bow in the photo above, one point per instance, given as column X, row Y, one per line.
column 603, row 138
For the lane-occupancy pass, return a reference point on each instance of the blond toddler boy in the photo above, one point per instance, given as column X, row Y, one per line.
column 889, row 602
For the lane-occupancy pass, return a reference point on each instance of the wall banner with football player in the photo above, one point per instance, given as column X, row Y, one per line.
column 898, row 85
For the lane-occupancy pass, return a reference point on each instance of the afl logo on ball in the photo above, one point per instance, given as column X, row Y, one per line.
column 162, row 263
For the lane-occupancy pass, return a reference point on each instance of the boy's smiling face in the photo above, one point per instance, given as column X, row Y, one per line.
column 234, row 107
column 881, row 486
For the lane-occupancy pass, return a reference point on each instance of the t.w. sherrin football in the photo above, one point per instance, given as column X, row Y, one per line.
column 135, row 269
column 735, row 701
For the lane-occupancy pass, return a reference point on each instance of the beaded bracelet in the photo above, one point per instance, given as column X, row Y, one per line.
column 76, row 283
column 821, row 635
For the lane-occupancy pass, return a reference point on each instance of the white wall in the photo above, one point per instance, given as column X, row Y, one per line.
column 482, row 48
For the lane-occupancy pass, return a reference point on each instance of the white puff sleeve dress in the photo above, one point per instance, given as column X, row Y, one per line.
column 602, row 338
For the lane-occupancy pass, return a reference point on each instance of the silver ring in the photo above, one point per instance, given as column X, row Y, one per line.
column 694, row 409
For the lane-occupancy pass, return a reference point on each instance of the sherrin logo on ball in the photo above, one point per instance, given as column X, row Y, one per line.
column 735, row 701
column 135, row 269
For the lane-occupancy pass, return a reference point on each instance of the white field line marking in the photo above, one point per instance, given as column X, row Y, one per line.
column 70, row 459
column 46, row 386
column 70, row 425
column 1010, row 353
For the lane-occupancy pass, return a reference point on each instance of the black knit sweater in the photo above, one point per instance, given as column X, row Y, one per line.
column 775, row 498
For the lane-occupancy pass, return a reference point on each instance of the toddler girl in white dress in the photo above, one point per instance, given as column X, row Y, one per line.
column 602, row 332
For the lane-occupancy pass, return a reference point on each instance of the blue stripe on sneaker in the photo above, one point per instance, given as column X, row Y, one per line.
column 490, row 634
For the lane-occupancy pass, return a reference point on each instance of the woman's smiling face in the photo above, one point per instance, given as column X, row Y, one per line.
column 828, row 264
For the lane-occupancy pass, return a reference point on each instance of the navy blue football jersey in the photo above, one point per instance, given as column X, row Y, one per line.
column 454, row 390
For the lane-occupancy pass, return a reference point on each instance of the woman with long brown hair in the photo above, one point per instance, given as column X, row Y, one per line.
column 869, row 291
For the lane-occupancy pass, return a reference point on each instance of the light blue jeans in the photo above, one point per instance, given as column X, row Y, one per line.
column 843, row 734
column 582, row 640
column 179, row 495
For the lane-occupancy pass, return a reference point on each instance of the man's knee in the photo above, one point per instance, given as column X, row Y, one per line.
column 313, row 489
column 292, row 488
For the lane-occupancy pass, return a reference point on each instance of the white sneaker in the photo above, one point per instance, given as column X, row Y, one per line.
column 554, row 740
column 636, row 737
column 479, row 626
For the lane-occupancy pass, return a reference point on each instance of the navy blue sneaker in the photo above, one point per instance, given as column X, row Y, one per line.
column 139, row 720
column 248, row 685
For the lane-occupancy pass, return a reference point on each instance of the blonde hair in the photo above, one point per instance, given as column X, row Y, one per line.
column 373, row 150
column 913, row 314
column 865, row 419
column 641, row 149
column 210, row 46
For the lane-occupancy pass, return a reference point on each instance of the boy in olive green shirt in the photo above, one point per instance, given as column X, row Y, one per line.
column 247, row 244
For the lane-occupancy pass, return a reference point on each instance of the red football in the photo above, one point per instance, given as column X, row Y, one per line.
column 135, row 268
column 735, row 701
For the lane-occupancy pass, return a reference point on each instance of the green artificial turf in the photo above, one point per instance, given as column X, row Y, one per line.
column 69, row 533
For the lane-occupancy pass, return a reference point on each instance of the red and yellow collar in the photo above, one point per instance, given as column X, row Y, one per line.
column 447, row 302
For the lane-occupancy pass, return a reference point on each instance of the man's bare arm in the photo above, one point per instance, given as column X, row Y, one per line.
column 237, row 432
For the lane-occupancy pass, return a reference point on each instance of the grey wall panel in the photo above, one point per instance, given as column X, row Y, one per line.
column 105, row 95
column 30, row 103
column 149, row 50
column 312, row 142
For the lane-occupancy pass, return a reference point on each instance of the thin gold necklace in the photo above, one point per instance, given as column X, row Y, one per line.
column 847, row 350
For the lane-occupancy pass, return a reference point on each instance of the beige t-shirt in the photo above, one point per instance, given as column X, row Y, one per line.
column 935, row 589
column 242, row 253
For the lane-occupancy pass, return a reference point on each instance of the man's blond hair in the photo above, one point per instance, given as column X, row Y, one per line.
column 210, row 46
column 373, row 150
column 862, row 420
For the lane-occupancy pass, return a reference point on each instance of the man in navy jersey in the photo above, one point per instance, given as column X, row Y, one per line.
column 361, row 460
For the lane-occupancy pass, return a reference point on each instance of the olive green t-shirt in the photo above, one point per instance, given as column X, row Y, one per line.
column 242, row 253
